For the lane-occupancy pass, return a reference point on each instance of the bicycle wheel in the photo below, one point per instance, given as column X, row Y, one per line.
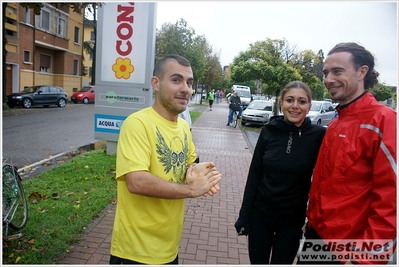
column 14, row 195
column 235, row 119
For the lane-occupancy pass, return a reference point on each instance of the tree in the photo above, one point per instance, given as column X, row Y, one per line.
column 264, row 60
column 381, row 92
column 276, row 63
column 181, row 39
column 213, row 75
column 310, row 66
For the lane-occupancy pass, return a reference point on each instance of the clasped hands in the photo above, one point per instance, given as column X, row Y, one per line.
column 203, row 179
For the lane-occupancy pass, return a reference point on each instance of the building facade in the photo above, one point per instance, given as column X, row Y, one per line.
column 45, row 49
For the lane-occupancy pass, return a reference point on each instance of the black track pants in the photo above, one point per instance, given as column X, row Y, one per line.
column 272, row 241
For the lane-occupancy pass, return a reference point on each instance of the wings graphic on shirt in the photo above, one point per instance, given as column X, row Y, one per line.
column 173, row 156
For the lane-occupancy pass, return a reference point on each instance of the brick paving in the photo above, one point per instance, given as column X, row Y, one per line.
column 209, row 236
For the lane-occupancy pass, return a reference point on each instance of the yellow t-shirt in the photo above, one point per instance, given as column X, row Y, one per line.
column 148, row 229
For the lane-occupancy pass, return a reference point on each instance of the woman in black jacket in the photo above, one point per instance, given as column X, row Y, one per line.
column 276, row 193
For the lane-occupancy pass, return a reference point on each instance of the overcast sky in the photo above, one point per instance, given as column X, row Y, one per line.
column 230, row 26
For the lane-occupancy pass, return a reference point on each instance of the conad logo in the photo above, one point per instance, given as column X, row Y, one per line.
column 123, row 67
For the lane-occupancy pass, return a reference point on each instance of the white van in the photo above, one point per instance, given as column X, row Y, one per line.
column 244, row 92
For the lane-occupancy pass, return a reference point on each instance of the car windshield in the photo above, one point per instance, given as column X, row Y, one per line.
column 261, row 106
column 31, row 89
column 246, row 94
column 315, row 106
column 85, row 89
column 258, row 97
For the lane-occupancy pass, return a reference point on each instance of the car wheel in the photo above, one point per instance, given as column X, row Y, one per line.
column 318, row 122
column 26, row 103
column 242, row 123
column 61, row 103
column 85, row 100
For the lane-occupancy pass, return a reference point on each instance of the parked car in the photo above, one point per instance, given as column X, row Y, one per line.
column 85, row 95
column 321, row 112
column 45, row 95
column 257, row 112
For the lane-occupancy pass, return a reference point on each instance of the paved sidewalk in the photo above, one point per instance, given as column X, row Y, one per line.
column 209, row 236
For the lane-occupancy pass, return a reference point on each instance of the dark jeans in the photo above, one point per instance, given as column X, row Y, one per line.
column 312, row 234
column 117, row 260
column 230, row 117
column 272, row 241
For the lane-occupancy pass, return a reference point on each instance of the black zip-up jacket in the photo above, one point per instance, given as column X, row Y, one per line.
column 235, row 102
column 281, row 169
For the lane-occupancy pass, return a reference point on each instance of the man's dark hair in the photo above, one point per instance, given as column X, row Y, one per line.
column 160, row 67
column 360, row 57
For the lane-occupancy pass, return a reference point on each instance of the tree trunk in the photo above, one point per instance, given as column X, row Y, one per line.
column 93, row 65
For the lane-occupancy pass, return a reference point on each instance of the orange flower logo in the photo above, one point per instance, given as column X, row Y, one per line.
column 122, row 68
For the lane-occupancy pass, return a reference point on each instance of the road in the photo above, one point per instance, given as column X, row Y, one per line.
column 39, row 133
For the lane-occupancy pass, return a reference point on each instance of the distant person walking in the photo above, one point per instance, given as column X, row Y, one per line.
column 217, row 97
column 211, row 98
column 193, row 95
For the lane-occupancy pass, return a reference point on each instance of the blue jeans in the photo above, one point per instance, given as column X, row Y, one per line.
column 230, row 120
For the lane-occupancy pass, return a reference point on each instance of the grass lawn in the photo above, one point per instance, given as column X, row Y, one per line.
column 61, row 204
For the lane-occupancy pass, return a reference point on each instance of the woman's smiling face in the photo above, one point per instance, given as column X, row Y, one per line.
column 295, row 105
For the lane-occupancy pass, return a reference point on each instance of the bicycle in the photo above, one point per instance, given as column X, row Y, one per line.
column 235, row 118
column 15, row 206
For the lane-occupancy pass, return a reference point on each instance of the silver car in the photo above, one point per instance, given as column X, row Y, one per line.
column 321, row 112
column 257, row 112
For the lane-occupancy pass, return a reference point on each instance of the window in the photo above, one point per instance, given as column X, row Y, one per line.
column 61, row 29
column 77, row 35
column 75, row 67
column 27, row 15
column 54, row 89
column 26, row 56
column 45, row 20
column 45, row 63
column 92, row 36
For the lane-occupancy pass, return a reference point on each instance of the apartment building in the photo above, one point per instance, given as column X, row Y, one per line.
column 43, row 49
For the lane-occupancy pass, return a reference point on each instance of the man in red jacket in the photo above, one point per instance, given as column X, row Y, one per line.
column 352, row 199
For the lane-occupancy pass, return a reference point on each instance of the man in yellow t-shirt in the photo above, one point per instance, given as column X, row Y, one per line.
column 154, row 151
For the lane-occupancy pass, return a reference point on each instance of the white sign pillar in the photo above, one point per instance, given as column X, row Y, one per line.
column 124, row 63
